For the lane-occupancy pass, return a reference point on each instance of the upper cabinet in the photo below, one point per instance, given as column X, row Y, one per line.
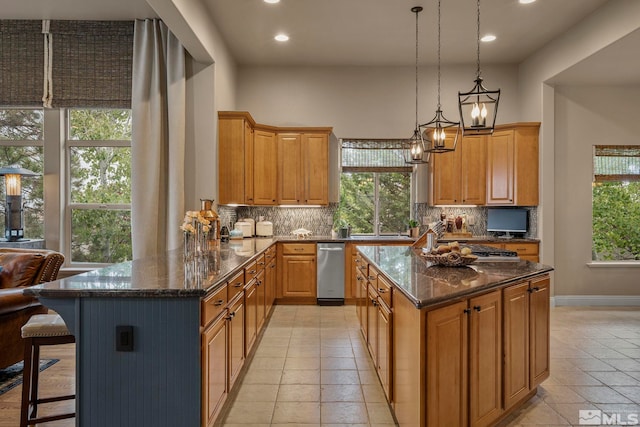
column 266, row 165
column 512, row 165
column 459, row 177
column 494, row 170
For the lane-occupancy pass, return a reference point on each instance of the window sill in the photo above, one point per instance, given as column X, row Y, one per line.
column 613, row 264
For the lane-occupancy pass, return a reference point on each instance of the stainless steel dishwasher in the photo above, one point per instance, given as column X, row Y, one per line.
column 330, row 279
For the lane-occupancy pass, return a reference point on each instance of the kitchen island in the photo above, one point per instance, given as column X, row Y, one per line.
column 453, row 346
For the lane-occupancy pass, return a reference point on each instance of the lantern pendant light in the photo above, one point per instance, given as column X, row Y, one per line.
column 414, row 149
column 439, row 128
column 479, row 106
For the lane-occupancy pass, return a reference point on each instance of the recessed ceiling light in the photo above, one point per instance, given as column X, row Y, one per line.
column 282, row 37
column 488, row 38
column 521, row 1
column 272, row 1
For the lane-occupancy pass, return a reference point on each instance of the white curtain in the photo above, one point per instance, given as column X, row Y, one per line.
column 158, row 139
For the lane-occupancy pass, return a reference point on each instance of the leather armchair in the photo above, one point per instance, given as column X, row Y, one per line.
column 21, row 268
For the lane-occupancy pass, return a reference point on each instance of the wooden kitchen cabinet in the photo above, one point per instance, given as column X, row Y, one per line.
column 235, row 157
column 385, row 348
column 270, row 279
column 512, row 165
column 297, row 269
column 235, row 330
column 214, row 365
column 526, row 338
column 372, row 324
column 464, row 362
column 525, row 250
column 250, row 316
column 261, row 292
column 303, row 168
column 459, row 177
column 265, row 172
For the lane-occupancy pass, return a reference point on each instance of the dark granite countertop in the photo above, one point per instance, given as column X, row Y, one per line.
column 426, row 284
column 170, row 276
column 491, row 239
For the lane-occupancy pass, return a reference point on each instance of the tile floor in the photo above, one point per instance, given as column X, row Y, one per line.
column 312, row 368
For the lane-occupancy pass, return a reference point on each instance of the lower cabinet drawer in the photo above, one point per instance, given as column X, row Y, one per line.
column 235, row 285
column 213, row 305
column 298, row 248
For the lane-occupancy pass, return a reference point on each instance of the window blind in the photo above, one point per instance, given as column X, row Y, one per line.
column 373, row 155
column 21, row 63
column 616, row 163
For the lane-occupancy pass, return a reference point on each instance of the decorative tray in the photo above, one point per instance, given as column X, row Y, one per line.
column 450, row 259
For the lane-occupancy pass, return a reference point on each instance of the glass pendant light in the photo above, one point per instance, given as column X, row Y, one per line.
column 440, row 127
column 414, row 149
column 479, row 106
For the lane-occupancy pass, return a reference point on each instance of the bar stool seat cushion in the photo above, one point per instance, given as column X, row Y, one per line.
column 45, row 325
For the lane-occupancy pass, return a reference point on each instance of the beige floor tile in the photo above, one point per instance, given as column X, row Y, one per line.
column 257, row 393
column 339, row 377
column 624, row 409
column 301, row 376
column 615, row 378
column 250, row 412
column 364, row 363
column 297, row 413
column 337, row 363
column 630, row 352
column 276, row 341
column 600, row 394
column 630, row 392
column 302, row 363
column 304, row 351
column 624, row 365
column 380, row 412
column 543, row 414
column 369, row 377
column 271, row 351
column 373, row 393
column 343, row 413
column 560, row 394
column 246, row 425
column 606, row 353
column 262, row 376
column 589, row 365
column 336, row 352
column 575, row 378
column 268, row 363
column 341, row 393
column 299, row 393
column 571, row 411
column 305, row 341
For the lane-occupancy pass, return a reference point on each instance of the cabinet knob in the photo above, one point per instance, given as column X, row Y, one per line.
column 238, row 285
column 466, row 311
column 477, row 308
column 218, row 303
column 382, row 290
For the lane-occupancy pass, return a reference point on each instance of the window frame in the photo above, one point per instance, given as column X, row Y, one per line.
column 69, row 206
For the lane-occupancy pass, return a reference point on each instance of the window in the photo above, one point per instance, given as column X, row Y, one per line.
column 616, row 202
column 96, row 226
column 21, row 143
column 99, row 185
column 375, row 187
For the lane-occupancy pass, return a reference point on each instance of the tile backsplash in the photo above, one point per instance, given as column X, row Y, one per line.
column 320, row 220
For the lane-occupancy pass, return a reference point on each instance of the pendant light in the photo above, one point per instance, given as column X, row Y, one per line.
column 414, row 149
column 440, row 127
column 478, row 107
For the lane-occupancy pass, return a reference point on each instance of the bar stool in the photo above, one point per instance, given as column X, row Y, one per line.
column 41, row 329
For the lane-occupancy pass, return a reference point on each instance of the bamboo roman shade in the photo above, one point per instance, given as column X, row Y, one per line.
column 21, row 63
column 616, row 163
column 91, row 63
column 373, row 155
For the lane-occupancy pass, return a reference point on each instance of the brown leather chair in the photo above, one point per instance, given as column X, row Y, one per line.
column 21, row 268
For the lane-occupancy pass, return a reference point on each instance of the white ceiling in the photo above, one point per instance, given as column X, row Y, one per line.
column 377, row 32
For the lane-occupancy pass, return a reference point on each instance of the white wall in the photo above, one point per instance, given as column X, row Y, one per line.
column 587, row 116
column 364, row 102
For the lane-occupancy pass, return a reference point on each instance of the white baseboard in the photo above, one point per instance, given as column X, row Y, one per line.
column 596, row 300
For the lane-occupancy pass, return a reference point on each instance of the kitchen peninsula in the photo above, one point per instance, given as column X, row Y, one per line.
column 188, row 327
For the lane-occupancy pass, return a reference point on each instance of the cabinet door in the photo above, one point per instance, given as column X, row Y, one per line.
column 249, row 156
column 473, row 169
column 500, row 162
column 232, row 134
column 250, row 316
column 485, row 352
column 447, row 361
column 372, row 324
column 270, row 285
column 214, row 369
column 261, row 290
column 361, row 305
column 526, row 168
column 264, row 168
column 299, row 276
column 515, row 301
column 290, row 180
column 446, row 177
column 540, row 293
column 236, row 339
column 384, row 366
column 316, row 170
